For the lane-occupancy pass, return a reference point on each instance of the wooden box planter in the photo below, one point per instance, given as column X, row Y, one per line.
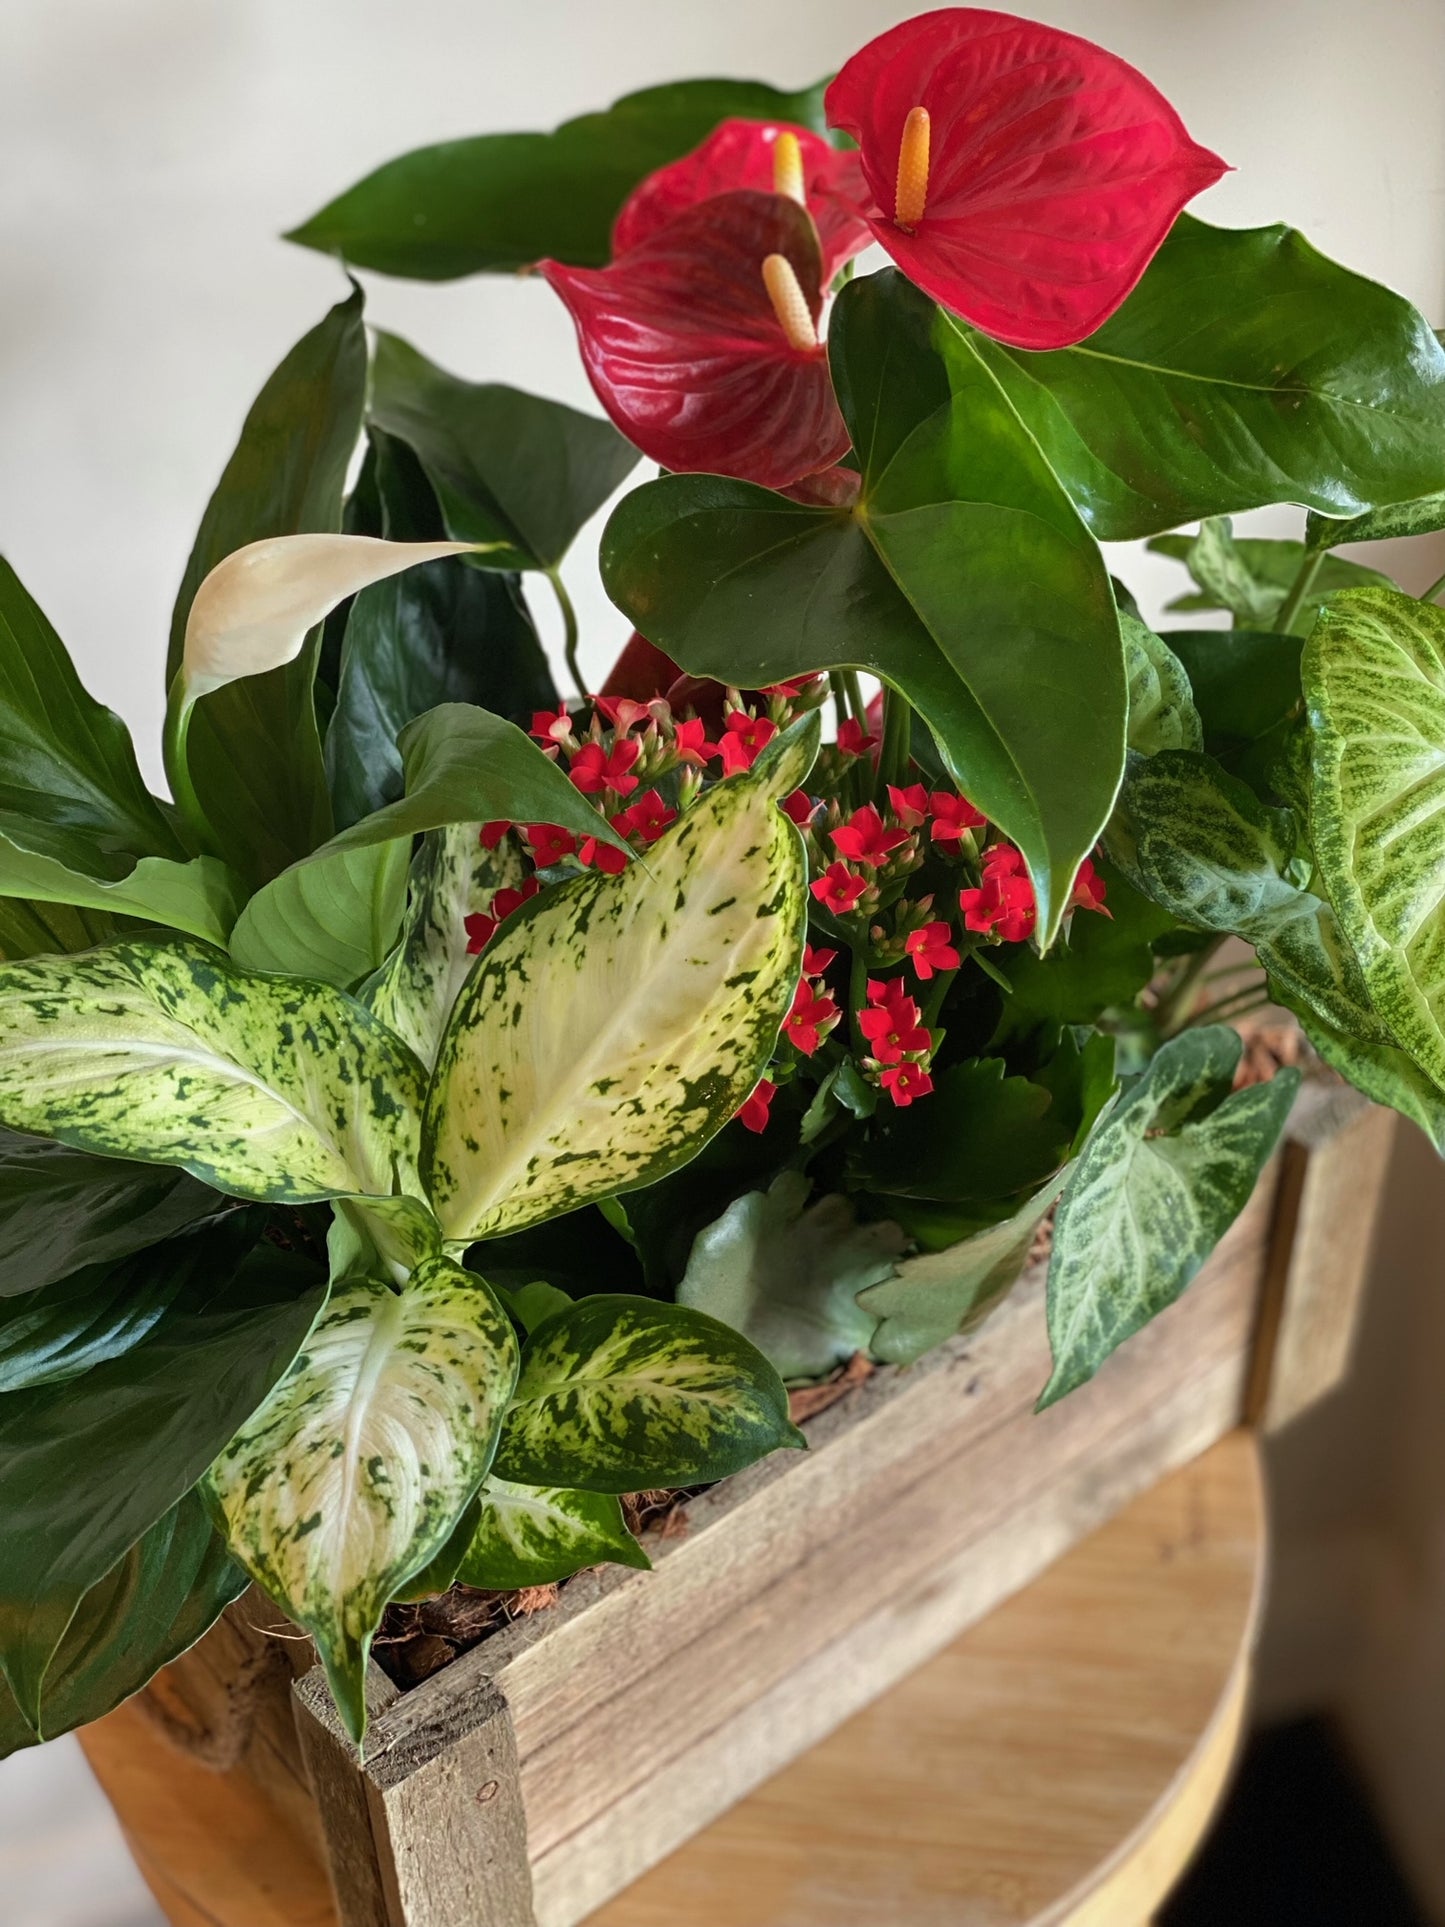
column 542, row 1771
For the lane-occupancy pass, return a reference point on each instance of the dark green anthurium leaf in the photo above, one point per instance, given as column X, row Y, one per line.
column 254, row 750
column 616, row 1024
column 265, row 1087
column 1374, row 681
column 62, row 1209
column 1155, row 1189
column 89, row 1464
column 938, row 1294
column 154, row 1603
column 442, row 633
column 499, row 202
column 1161, row 703
column 1422, row 517
column 507, row 467
column 533, row 1535
column 982, row 1135
column 1244, row 369
column 962, row 575
column 353, row 1475
column 334, row 921
column 1251, row 577
column 786, row 1274
column 622, row 1394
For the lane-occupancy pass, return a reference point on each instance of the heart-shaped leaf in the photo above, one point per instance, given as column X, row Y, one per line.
column 615, row 1025
column 1244, row 369
column 962, row 575
column 1161, row 703
column 534, row 1535
column 352, row 1475
column 1251, row 577
column 622, row 1394
column 1422, row 517
column 333, row 921
column 1158, row 1184
column 264, row 1087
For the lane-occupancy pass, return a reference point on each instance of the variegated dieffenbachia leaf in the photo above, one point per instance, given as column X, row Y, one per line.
column 615, row 1025
column 1161, row 703
column 1156, row 1187
column 618, row 1394
column 264, row 1087
column 353, row 1474
column 534, row 1535
column 1374, row 681
column 452, row 878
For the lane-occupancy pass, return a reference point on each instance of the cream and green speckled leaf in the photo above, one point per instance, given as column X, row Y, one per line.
column 1374, row 681
column 618, row 1394
column 452, row 877
column 616, row 1024
column 264, row 1087
column 352, row 1475
column 1161, row 703
column 534, row 1535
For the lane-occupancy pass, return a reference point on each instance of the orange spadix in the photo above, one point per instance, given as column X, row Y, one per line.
column 911, row 195
column 792, row 311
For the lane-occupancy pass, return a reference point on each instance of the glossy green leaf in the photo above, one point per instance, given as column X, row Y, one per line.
column 1158, row 1184
column 255, row 753
column 786, row 1274
column 442, row 633
column 30, row 928
column 334, row 921
column 533, row 1535
column 1246, row 684
column 62, row 1209
column 963, row 576
column 501, row 201
column 622, row 1394
column 1251, row 577
column 1161, row 703
column 167, row 1590
column 938, row 1294
column 200, row 897
column 1422, row 517
column 1374, row 680
column 89, row 1464
column 353, row 1474
column 616, row 1024
column 1244, row 369
column 262, row 1086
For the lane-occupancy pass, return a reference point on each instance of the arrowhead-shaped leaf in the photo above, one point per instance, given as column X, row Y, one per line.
column 533, row 1535
column 1161, row 703
column 1251, row 577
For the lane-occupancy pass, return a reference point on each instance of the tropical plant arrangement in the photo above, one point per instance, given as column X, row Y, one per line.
column 465, row 1104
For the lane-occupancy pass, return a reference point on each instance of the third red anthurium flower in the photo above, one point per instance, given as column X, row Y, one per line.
column 1020, row 175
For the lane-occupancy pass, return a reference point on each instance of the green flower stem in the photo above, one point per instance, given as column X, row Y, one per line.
column 1294, row 601
column 180, row 707
column 1434, row 589
column 858, row 709
column 942, row 984
column 569, row 631
column 1238, row 1004
column 897, row 739
column 1174, row 1007
column 858, row 997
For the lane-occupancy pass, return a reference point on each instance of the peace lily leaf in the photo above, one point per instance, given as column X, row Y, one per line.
column 168, row 1589
column 619, row 1394
column 334, row 920
column 1374, row 681
column 935, row 1296
column 962, row 575
column 513, row 471
column 254, row 753
column 1244, row 369
column 352, row 1475
column 37, row 928
column 1251, row 577
column 1422, row 517
column 534, row 1535
column 1161, row 703
column 264, row 1087
column 616, row 1025
column 452, row 877
column 89, row 1464
column 501, row 201
column 62, row 1209
column 788, row 1277
column 200, row 897
column 1158, row 1184
column 983, row 1135
column 441, row 633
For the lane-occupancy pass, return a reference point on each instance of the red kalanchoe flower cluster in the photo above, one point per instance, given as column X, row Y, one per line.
column 838, row 889
column 549, row 844
column 909, row 805
column 814, row 1013
column 753, row 1113
column 898, row 1042
column 931, row 950
column 595, row 769
column 904, row 1082
column 1088, row 891
column 481, row 926
column 853, row 739
column 799, row 808
column 864, row 838
column 953, row 816
column 1003, row 904
column 743, row 737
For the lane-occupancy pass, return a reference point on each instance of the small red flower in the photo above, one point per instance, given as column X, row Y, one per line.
column 481, row 926
column 889, row 991
column 1088, row 891
column 753, row 1113
column 690, row 743
column 550, row 726
column 505, row 902
column 648, row 817
column 893, row 1030
column 1021, row 176
column 492, row 834
column 480, row 930
column 815, row 961
column 953, row 816
column 1004, row 902
column 595, row 769
column 838, row 889
column 852, row 740
column 904, row 1082
column 930, row 949
column 798, row 808
column 812, row 1016
column 743, row 737
column 606, row 857
column 909, row 805
column 549, row 843
column 623, row 712
column 863, row 839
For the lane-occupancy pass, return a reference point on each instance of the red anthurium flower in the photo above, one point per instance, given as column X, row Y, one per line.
column 595, row 769
column 953, row 816
column 1020, row 175
column 1004, row 902
column 642, row 671
column 909, row 805
column 838, row 889
column 753, row 1115
column 863, row 839
column 904, row 1082
column 1088, row 891
column 816, row 961
column 812, row 1016
column 648, row 817
column 492, row 834
column 702, row 341
column 930, row 949
column 799, row 808
column 852, row 739
column 772, row 157
column 743, row 736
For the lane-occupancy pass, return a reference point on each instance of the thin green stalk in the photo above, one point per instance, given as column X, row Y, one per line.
column 858, row 997
column 938, row 990
column 175, row 754
column 1298, row 590
column 1174, row 1007
column 1238, row 1004
column 1433, row 590
column 897, row 740
column 569, row 632
column 857, row 707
